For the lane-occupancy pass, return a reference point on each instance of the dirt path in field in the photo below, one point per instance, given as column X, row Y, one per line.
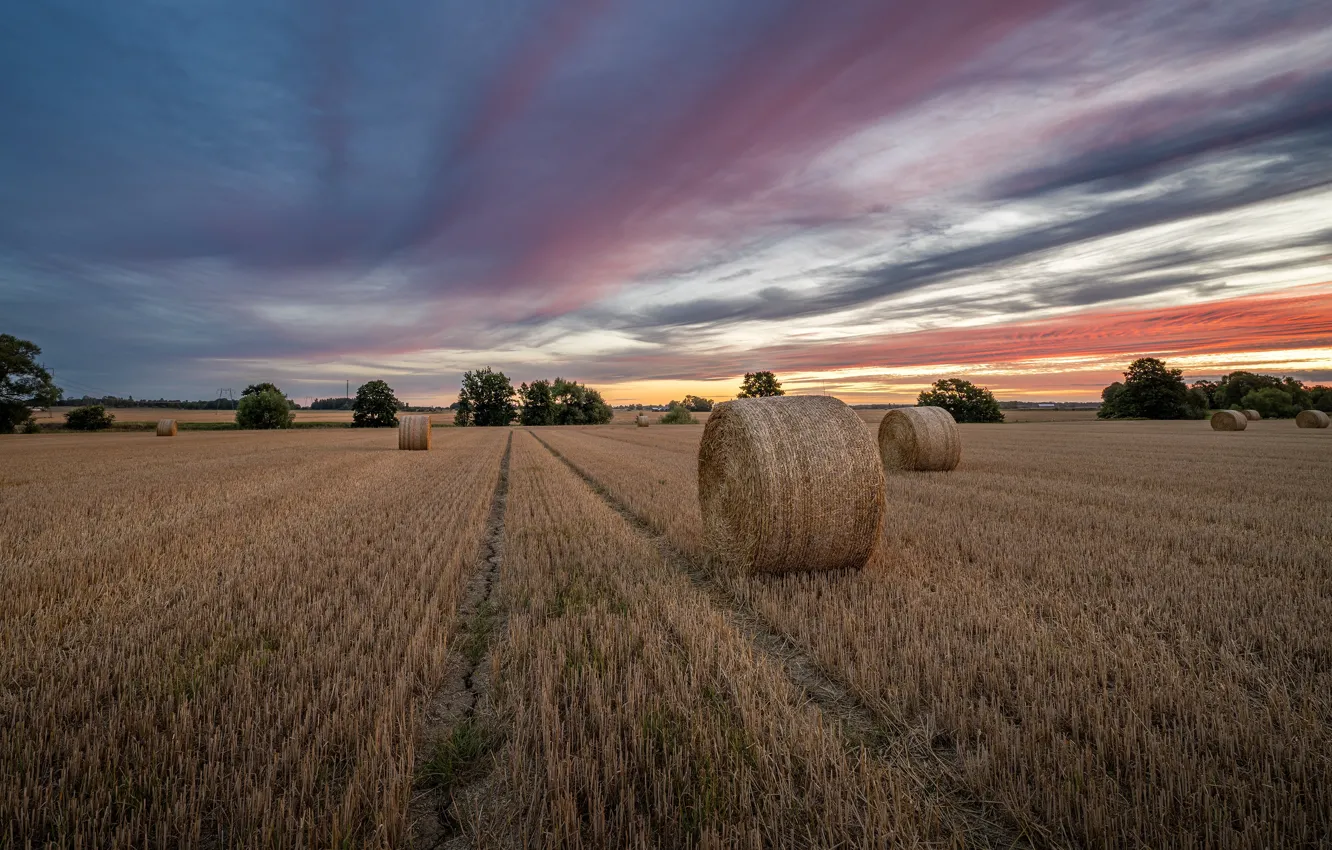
column 913, row 748
column 459, row 730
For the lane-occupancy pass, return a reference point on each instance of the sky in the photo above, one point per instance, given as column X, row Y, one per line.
column 655, row 198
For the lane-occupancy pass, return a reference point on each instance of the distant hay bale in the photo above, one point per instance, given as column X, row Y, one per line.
column 920, row 439
column 1312, row 419
column 166, row 427
column 1252, row 415
column 1229, row 420
column 414, row 433
column 788, row 484
column 642, row 420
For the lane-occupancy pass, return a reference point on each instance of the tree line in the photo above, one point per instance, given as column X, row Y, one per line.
column 1153, row 390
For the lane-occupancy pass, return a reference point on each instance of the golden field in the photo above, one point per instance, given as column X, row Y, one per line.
column 1111, row 634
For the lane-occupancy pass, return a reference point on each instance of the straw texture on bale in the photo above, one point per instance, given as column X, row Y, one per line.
column 166, row 427
column 1252, row 415
column 642, row 421
column 789, row 484
column 414, row 433
column 1229, row 420
column 921, row 439
column 1312, row 419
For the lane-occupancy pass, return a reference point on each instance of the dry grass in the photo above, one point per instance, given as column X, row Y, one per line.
column 919, row 439
column 222, row 639
column 789, row 484
column 1116, row 656
column 1086, row 637
column 637, row 715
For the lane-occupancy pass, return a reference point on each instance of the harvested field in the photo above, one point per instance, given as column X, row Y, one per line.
column 241, row 639
column 224, row 638
column 1116, row 657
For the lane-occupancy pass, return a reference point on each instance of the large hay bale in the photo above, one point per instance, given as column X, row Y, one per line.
column 1229, row 420
column 1252, row 415
column 922, row 439
column 1312, row 419
column 166, row 427
column 414, row 433
column 790, row 483
column 642, row 420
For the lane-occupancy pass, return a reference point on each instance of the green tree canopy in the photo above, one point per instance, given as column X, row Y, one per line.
column 1271, row 402
column 24, row 383
column 760, row 385
column 576, row 404
column 538, row 403
column 264, row 410
column 254, row 389
column 677, row 415
column 1151, row 390
column 966, row 401
column 486, row 398
column 376, row 406
column 90, row 417
column 697, row 404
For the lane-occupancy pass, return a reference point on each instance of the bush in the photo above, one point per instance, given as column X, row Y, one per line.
column 264, row 410
column 31, row 427
column 966, row 401
column 677, row 415
column 376, row 406
column 92, row 417
column 1271, row 402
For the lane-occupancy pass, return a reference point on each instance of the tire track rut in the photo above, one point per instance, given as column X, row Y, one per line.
column 889, row 739
column 460, row 729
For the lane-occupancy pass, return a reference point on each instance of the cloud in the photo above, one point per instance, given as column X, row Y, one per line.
column 353, row 182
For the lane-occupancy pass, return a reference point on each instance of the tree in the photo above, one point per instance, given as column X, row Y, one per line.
column 24, row 383
column 697, row 404
column 1151, row 390
column 576, row 404
column 966, row 401
column 538, row 403
column 1271, row 402
column 254, row 389
column 376, row 406
column 1320, row 398
column 1232, row 388
column 91, row 417
column 486, row 398
column 760, row 385
column 677, row 415
column 264, row 410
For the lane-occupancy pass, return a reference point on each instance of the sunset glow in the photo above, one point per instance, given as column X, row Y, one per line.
column 656, row 198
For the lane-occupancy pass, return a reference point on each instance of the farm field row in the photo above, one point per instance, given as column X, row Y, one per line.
column 1090, row 634
column 1118, row 631
column 223, row 640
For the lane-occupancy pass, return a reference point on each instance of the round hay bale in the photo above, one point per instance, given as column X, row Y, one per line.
column 922, row 439
column 1229, row 420
column 414, row 433
column 642, row 420
column 1252, row 415
column 166, row 427
column 1312, row 419
column 788, row 484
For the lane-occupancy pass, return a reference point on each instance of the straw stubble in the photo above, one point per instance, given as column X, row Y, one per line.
column 789, row 484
